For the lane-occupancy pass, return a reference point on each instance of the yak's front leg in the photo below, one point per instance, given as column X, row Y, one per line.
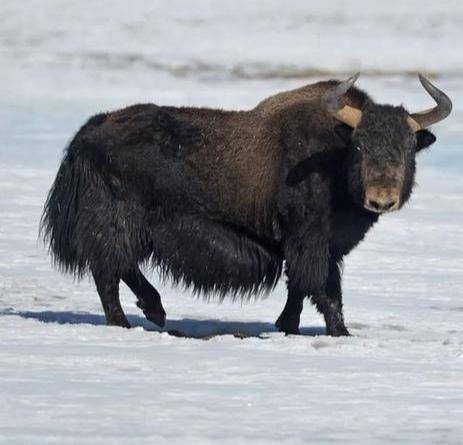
column 305, row 213
column 329, row 303
column 307, row 272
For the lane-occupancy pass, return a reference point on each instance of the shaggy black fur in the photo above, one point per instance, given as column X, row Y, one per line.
column 219, row 200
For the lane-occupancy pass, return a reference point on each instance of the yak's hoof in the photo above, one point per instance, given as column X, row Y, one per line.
column 120, row 321
column 153, row 312
column 337, row 331
column 289, row 326
column 157, row 317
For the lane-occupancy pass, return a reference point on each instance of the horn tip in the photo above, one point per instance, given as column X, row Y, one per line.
column 352, row 79
column 423, row 78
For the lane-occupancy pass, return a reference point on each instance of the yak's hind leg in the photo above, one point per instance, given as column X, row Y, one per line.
column 289, row 319
column 148, row 298
column 107, row 285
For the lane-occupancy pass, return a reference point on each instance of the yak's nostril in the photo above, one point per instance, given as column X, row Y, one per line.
column 374, row 204
column 389, row 205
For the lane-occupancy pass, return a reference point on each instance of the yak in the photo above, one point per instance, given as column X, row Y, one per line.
column 226, row 201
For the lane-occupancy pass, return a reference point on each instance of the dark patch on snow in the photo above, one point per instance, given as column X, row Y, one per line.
column 185, row 328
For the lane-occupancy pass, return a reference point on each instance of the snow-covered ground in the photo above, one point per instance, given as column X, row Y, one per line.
column 67, row 378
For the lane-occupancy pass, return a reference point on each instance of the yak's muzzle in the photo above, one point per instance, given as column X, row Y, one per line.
column 382, row 199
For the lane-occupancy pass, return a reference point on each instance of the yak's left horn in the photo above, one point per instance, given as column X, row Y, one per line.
column 332, row 100
column 423, row 119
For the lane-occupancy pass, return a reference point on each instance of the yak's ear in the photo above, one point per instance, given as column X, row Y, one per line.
column 318, row 162
column 424, row 138
column 344, row 132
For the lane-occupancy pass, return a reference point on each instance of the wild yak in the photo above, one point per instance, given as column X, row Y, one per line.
column 220, row 200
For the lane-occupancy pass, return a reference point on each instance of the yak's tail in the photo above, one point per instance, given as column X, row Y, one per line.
column 61, row 213
column 84, row 224
column 64, row 225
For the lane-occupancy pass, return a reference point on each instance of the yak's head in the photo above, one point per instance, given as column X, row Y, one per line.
column 383, row 142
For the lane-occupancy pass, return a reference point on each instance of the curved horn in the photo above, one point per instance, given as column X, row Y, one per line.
column 423, row 119
column 344, row 113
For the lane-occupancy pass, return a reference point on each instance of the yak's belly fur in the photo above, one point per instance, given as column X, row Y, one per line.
column 213, row 258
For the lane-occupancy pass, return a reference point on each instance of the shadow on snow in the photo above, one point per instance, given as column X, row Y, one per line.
column 185, row 327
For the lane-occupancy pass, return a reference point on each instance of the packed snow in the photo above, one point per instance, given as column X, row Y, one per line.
column 65, row 377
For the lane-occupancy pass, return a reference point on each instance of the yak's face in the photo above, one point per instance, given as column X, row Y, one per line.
column 382, row 140
column 385, row 140
column 382, row 159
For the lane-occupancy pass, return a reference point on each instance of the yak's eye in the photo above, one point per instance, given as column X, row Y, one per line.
column 358, row 148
